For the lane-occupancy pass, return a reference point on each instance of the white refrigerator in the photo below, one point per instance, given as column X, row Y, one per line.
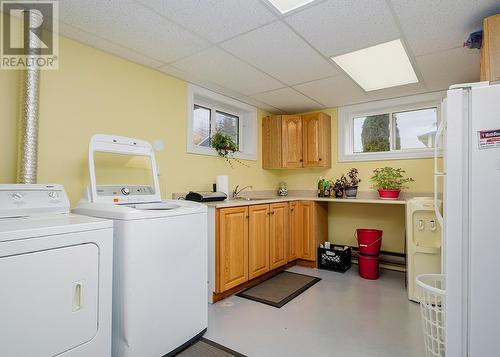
column 471, row 222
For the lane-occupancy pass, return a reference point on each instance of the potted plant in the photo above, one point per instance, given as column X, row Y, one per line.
column 225, row 147
column 389, row 182
column 352, row 182
column 339, row 186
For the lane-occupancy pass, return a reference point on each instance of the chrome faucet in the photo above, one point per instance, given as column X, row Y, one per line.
column 237, row 192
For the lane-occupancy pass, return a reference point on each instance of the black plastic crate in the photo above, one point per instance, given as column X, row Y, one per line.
column 336, row 258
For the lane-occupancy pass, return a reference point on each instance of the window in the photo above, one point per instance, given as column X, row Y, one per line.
column 209, row 112
column 402, row 128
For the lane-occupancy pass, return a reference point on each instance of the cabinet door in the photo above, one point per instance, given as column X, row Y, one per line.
column 258, row 241
column 490, row 49
column 307, row 246
column 292, row 141
column 293, row 243
column 233, row 247
column 278, row 234
column 271, row 142
column 316, row 140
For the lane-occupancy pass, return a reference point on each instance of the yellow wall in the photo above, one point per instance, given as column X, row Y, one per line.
column 94, row 92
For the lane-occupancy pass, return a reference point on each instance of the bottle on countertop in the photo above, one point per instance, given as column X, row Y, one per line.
column 326, row 188
column 320, row 187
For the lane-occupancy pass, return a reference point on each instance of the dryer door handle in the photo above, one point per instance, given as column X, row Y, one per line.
column 77, row 296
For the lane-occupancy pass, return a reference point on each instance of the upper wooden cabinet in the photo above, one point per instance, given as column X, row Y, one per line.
column 291, row 140
column 296, row 141
column 316, row 129
column 490, row 49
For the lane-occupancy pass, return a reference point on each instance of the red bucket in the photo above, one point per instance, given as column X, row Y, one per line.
column 368, row 266
column 369, row 241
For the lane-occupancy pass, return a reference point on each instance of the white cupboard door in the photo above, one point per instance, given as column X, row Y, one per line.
column 48, row 300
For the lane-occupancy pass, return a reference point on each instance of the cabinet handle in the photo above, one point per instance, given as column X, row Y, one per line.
column 291, row 209
column 320, row 159
column 247, row 217
column 272, row 212
column 301, row 160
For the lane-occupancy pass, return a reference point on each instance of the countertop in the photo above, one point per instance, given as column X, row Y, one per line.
column 363, row 197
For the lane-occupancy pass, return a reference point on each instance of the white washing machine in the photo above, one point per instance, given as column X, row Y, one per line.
column 160, row 250
column 55, row 276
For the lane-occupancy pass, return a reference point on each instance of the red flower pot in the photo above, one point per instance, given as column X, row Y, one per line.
column 388, row 194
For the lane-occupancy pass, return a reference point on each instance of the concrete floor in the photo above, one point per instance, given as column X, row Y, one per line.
column 342, row 315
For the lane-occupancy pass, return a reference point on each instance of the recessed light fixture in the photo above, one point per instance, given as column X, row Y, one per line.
column 381, row 66
column 285, row 6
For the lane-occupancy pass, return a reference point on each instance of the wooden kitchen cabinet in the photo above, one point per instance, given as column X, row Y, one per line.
column 490, row 49
column 258, row 240
column 278, row 229
column 296, row 141
column 312, row 228
column 232, row 249
column 316, row 129
column 291, row 141
column 295, row 225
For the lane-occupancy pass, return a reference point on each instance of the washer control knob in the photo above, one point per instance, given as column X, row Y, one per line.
column 125, row 191
column 17, row 196
column 53, row 194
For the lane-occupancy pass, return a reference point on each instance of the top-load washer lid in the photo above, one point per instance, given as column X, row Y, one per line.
column 122, row 171
column 166, row 208
column 156, row 206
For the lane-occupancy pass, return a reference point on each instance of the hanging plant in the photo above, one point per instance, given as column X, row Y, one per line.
column 226, row 148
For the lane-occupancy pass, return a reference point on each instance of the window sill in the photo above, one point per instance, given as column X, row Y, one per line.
column 211, row 152
column 394, row 155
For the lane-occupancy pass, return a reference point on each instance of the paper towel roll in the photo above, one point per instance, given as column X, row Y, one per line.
column 222, row 184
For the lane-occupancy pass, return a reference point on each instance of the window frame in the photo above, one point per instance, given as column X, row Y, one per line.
column 247, row 121
column 347, row 115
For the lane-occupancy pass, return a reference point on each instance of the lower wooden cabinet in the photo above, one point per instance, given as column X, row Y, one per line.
column 278, row 234
column 293, row 239
column 232, row 247
column 312, row 228
column 306, row 230
column 258, row 240
column 252, row 240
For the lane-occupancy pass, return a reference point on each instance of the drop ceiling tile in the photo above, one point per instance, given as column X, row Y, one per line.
column 219, row 67
column 281, row 53
column 106, row 46
column 440, row 70
column 432, row 26
column 131, row 25
column 288, row 100
column 258, row 104
column 334, row 91
column 399, row 91
column 336, row 27
column 215, row 20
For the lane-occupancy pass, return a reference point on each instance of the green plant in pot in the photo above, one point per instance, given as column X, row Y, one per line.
column 389, row 182
column 352, row 182
column 226, row 148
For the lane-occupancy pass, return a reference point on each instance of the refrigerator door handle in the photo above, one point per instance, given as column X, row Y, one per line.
column 437, row 173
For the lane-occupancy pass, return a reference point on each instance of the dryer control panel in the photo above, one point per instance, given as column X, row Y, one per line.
column 26, row 200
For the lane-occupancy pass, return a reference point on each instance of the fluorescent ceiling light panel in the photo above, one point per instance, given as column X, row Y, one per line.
column 381, row 66
column 285, row 6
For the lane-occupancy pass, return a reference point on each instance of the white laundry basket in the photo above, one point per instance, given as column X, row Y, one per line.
column 432, row 308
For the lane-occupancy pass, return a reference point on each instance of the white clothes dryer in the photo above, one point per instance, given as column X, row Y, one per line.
column 55, row 276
